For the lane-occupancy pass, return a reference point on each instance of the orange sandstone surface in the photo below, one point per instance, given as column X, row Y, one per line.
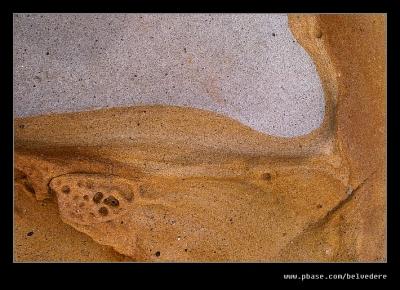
column 164, row 183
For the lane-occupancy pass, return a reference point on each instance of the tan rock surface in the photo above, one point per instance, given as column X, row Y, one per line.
column 188, row 185
column 41, row 236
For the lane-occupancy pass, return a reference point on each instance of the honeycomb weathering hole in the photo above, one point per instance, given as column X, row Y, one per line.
column 94, row 198
column 103, row 211
column 98, row 196
column 111, row 201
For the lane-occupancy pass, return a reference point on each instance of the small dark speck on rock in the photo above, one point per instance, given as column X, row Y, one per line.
column 47, row 53
column 266, row 176
column 273, row 34
column 29, row 234
column 158, row 253
column 22, row 126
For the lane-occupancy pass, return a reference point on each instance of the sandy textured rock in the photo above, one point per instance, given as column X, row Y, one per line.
column 41, row 236
column 207, row 188
column 247, row 67
column 356, row 47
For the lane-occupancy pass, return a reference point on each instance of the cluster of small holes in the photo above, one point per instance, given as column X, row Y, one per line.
column 98, row 198
column 86, row 201
column 110, row 201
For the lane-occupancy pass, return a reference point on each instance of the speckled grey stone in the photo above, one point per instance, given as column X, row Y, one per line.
column 245, row 66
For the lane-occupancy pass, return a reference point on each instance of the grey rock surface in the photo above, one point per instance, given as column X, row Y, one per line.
column 244, row 66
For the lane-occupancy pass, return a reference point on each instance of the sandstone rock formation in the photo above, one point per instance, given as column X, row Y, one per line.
column 162, row 183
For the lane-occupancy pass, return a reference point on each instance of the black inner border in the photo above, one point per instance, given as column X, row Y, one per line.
column 204, row 273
